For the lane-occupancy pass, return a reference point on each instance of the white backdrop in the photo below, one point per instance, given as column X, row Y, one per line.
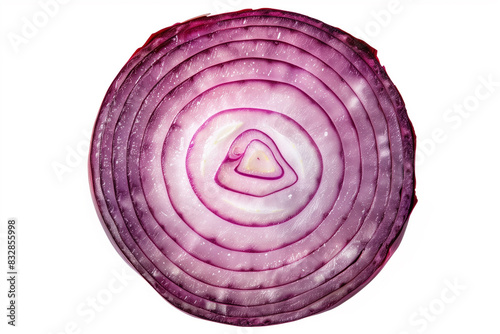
column 58, row 59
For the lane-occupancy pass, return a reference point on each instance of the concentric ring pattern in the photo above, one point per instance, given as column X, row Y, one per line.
column 254, row 167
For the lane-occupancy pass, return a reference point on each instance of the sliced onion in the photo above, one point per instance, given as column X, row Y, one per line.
column 254, row 167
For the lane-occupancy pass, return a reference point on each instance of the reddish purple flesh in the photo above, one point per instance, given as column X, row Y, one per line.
column 254, row 167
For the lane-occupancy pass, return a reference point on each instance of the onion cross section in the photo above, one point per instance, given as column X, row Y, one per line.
column 255, row 167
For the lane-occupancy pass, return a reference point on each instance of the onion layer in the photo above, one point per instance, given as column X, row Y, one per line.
column 254, row 167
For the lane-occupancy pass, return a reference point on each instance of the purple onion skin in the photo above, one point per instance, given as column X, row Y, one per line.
column 255, row 167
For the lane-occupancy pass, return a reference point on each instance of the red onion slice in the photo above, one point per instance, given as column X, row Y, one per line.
column 254, row 167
